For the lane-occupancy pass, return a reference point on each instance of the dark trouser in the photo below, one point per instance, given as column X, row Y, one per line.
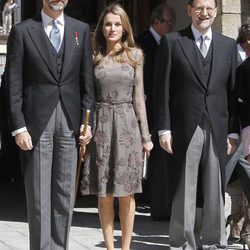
column 49, row 175
column 157, row 181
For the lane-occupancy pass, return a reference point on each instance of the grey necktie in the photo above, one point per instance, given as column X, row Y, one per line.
column 203, row 47
column 55, row 35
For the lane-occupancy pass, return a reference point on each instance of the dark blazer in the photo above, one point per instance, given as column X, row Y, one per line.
column 149, row 46
column 243, row 92
column 182, row 94
column 35, row 88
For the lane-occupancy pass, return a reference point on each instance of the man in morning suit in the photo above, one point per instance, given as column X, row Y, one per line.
column 49, row 85
column 195, row 111
column 162, row 21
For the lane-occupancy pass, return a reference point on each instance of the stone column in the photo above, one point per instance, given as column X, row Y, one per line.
column 231, row 14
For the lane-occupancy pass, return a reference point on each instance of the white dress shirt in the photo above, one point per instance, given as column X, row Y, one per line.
column 242, row 53
column 156, row 36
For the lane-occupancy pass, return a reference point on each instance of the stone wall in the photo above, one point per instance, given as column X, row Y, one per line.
column 231, row 14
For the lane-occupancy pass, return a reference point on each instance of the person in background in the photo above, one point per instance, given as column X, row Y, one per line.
column 113, row 163
column 162, row 21
column 240, row 222
column 8, row 10
column 240, row 180
column 49, row 85
column 195, row 113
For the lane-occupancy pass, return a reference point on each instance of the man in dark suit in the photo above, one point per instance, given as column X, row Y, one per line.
column 49, row 85
column 162, row 21
column 195, row 111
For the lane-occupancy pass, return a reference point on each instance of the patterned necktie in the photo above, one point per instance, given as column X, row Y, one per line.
column 55, row 35
column 203, row 47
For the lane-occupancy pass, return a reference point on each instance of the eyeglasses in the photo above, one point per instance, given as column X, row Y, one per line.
column 169, row 22
column 200, row 10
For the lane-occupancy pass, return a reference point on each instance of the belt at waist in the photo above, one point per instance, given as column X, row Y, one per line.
column 101, row 104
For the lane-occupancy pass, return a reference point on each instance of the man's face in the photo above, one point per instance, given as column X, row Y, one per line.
column 166, row 24
column 55, row 5
column 203, row 13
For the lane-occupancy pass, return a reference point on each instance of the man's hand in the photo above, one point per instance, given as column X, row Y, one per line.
column 231, row 145
column 85, row 139
column 23, row 140
column 166, row 142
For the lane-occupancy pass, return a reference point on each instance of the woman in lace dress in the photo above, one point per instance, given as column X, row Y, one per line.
column 113, row 163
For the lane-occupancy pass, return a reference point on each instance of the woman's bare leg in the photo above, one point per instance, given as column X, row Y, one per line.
column 106, row 215
column 127, row 215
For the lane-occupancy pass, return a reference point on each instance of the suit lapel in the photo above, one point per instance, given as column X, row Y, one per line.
column 69, row 44
column 191, row 53
column 217, row 47
column 39, row 38
column 152, row 40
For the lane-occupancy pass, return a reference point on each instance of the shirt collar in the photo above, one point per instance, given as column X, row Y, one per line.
column 156, row 36
column 47, row 19
column 242, row 53
column 197, row 33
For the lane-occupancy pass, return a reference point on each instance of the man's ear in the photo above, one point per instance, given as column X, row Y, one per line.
column 189, row 10
column 215, row 12
column 157, row 21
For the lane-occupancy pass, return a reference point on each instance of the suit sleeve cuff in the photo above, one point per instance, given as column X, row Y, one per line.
column 18, row 131
column 233, row 136
column 163, row 132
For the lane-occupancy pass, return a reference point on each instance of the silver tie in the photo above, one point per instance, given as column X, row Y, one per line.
column 203, row 47
column 55, row 35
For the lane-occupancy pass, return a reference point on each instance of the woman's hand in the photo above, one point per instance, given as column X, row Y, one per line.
column 147, row 147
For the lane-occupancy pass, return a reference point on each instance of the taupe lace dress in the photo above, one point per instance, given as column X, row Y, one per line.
column 113, row 163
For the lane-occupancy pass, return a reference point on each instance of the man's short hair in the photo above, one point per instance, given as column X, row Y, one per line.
column 158, row 12
column 191, row 2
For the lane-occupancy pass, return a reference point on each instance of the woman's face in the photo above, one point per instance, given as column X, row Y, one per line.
column 112, row 28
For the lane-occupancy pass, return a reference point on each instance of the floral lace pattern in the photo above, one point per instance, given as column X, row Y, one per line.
column 113, row 163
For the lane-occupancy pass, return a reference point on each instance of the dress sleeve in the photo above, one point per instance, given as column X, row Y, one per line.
column 138, row 97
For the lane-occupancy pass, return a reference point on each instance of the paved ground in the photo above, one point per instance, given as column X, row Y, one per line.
column 85, row 232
